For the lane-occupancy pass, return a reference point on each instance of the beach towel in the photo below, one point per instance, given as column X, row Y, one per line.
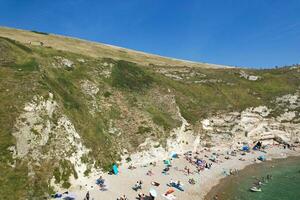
column 167, row 162
column 169, row 191
column 153, row 192
column 175, row 185
column 155, row 183
column 169, row 196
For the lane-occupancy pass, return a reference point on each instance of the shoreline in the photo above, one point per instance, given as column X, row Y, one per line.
column 206, row 181
column 274, row 153
column 246, row 171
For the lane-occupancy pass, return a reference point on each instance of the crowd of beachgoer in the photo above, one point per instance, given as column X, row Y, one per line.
column 197, row 162
column 194, row 159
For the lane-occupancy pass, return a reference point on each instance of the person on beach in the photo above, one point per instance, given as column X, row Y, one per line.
column 187, row 170
column 199, row 170
column 150, row 173
column 87, row 196
column 100, row 182
column 137, row 186
column 233, row 171
column 141, row 196
column 192, row 181
column 258, row 183
column 122, row 198
column 165, row 170
column 131, row 167
column 171, row 182
column 151, row 197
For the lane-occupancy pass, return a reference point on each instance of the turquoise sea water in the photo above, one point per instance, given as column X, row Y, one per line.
column 285, row 184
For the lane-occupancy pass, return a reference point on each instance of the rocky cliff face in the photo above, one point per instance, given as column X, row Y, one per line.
column 43, row 133
column 231, row 130
column 257, row 124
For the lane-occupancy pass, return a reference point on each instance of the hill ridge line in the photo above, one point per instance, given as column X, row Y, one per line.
column 15, row 34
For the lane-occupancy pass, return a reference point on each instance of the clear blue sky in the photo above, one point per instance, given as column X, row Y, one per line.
column 254, row 33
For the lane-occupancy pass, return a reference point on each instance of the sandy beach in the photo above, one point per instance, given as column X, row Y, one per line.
column 121, row 184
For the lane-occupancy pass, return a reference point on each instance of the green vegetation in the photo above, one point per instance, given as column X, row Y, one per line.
column 63, row 172
column 233, row 93
column 65, row 89
column 17, row 44
column 162, row 118
column 15, row 89
column 143, row 129
column 14, row 181
column 30, row 65
column 107, row 94
column 126, row 75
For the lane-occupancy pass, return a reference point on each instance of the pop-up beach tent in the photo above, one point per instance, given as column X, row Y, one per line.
column 173, row 154
column 115, row 169
column 246, row 148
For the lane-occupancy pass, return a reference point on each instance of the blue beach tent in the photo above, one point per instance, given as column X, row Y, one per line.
column 246, row 148
column 115, row 169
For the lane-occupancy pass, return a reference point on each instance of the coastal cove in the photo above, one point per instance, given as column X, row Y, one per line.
column 284, row 185
column 86, row 120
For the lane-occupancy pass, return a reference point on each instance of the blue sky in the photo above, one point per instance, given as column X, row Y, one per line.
column 253, row 33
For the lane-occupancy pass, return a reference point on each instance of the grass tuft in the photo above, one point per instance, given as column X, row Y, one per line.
column 127, row 75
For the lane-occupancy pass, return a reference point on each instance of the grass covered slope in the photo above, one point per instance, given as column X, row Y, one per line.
column 96, row 50
column 113, row 104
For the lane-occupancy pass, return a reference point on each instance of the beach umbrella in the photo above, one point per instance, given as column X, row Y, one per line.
column 153, row 192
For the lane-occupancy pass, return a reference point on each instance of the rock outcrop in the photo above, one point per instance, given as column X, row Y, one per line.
column 254, row 124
